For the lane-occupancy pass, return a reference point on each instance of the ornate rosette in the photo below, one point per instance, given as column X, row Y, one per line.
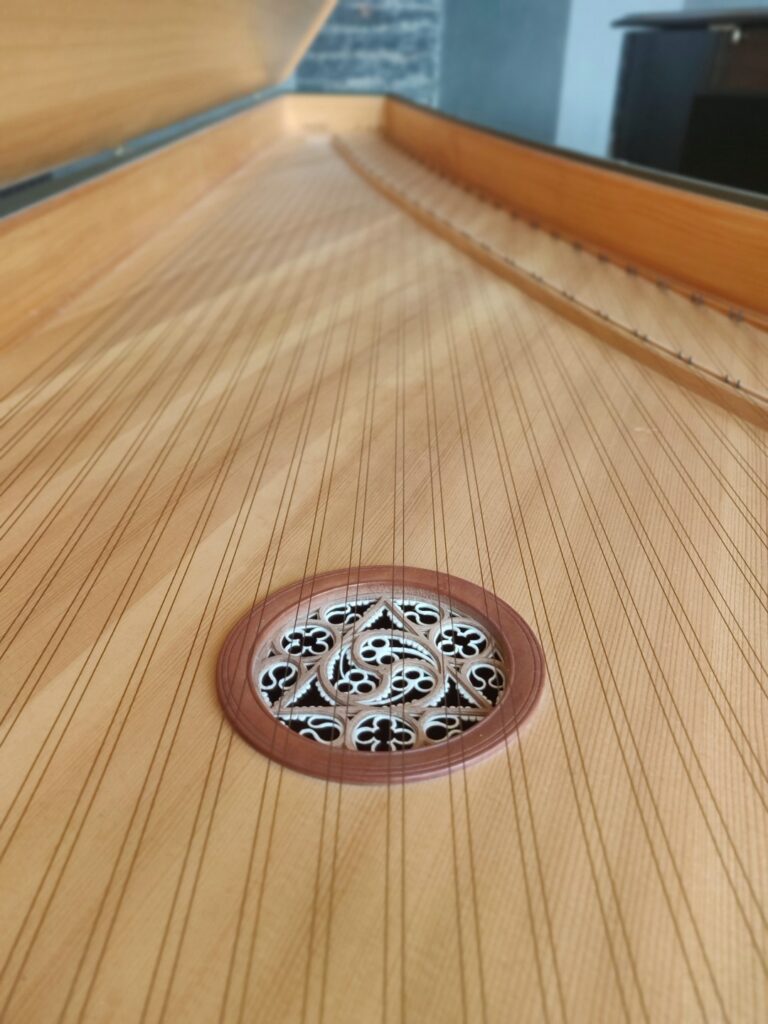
column 380, row 673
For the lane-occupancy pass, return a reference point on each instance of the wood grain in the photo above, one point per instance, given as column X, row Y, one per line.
column 237, row 683
column 722, row 345
column 697, row 243
column 80, row 77
column 304, row 379
column 728, row 340
column 43, row 261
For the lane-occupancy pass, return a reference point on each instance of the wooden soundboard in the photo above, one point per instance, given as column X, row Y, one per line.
column 286, row 346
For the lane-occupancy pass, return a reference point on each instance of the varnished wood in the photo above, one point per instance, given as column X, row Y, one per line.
column 686, row 327
column 292, row 377
column 42, row 259
column 520, row 653
column 90, row 74
column 750, row 401
column 696, row 242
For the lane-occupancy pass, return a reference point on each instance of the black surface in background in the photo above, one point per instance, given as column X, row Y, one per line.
column 727, row 141
column 695, row 19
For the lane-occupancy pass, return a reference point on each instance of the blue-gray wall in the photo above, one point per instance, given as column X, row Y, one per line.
column 591, row 71
column 502, row 62
column 377, row 46
column 543, row 69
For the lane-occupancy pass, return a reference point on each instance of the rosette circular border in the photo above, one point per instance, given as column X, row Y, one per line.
column 518, row 645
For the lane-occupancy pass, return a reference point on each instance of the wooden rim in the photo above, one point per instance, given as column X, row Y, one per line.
column 520, row 649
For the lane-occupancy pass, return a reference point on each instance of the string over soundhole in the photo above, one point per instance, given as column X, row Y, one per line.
column 386, row 673
column 381, row 673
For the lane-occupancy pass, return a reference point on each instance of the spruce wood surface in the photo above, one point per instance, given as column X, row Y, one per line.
column 715, row 248
column 293, row 377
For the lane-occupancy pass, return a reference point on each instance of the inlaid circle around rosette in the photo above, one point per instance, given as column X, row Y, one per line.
column 380, row 673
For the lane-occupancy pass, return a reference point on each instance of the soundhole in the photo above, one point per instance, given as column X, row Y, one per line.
column 379, row 674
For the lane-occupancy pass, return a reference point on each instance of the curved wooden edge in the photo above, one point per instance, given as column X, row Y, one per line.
column 86, row 75
column 519, row 646
column 42, row 261
column 717, row 249
column 735, row 400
